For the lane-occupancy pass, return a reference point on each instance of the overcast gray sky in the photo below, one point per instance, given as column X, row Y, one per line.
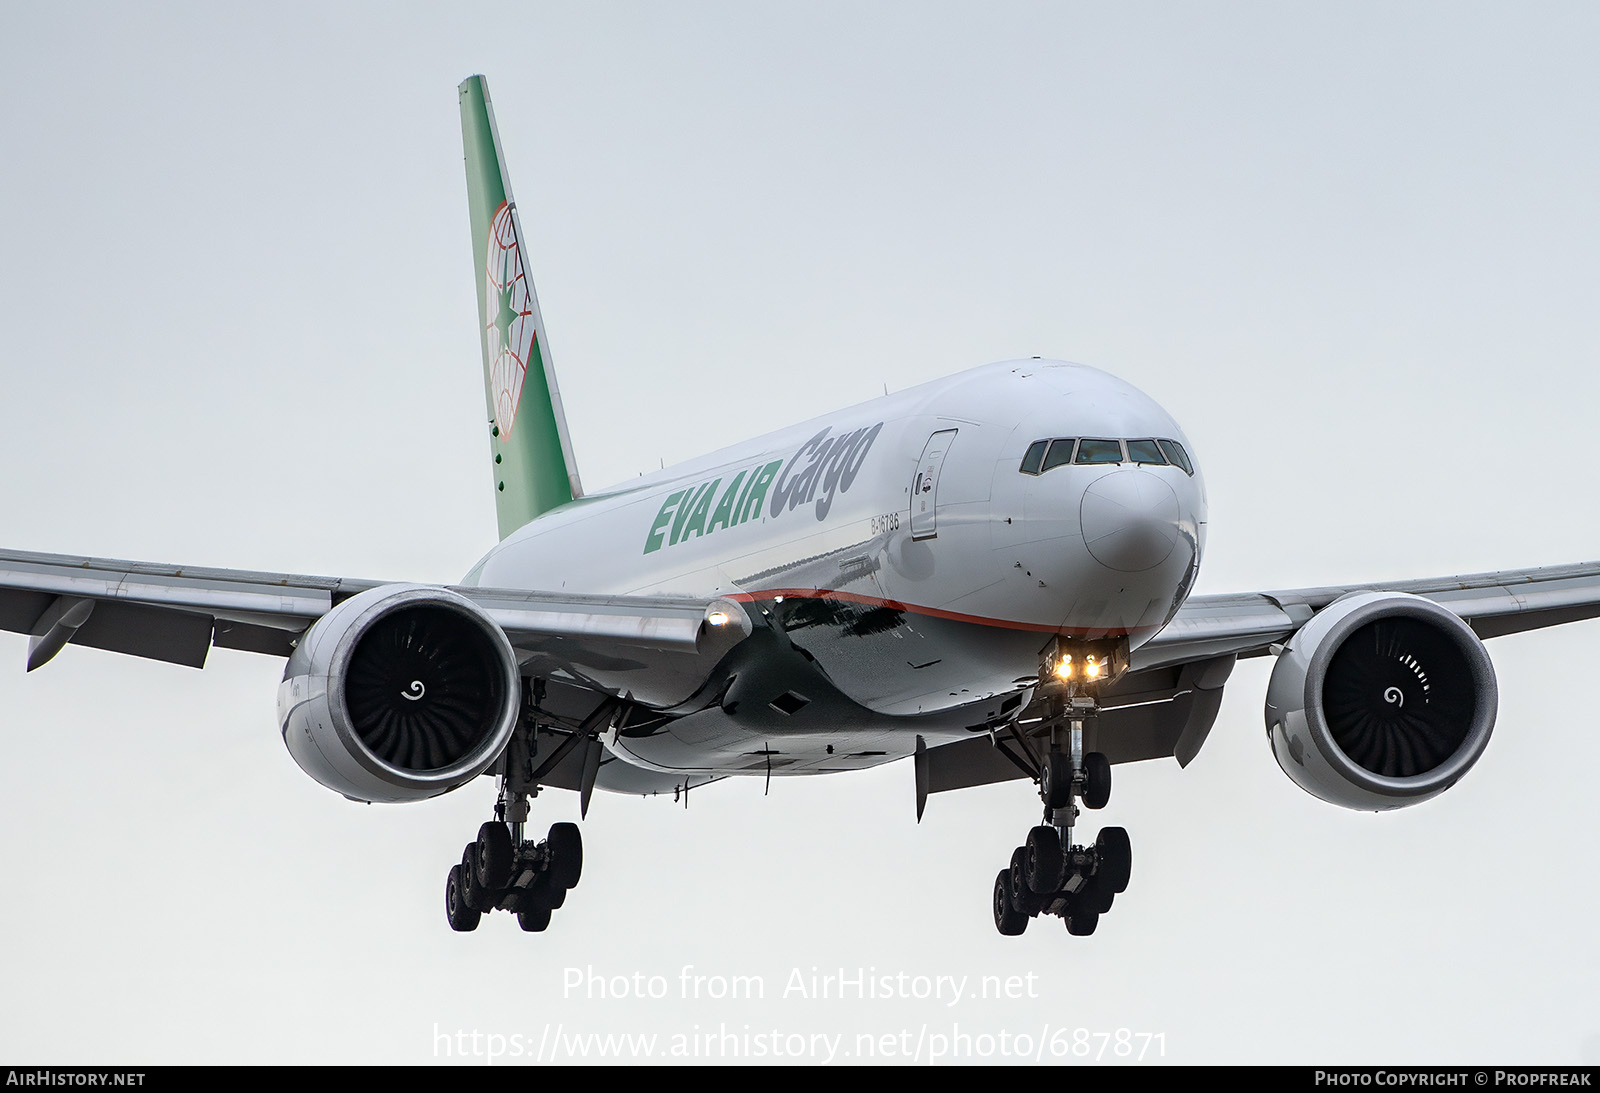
column 1353, row 248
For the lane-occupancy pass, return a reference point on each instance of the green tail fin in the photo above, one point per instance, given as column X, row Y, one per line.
column 534, row 470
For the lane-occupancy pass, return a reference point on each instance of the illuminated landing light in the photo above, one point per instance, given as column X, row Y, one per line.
column 725, row 619
column 1091, row 663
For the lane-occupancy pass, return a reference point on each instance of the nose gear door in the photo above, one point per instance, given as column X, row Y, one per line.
column 925, row 486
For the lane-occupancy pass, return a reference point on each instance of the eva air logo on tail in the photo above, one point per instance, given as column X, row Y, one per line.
column 507, row 319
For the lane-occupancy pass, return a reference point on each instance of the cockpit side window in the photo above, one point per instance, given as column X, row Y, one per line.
column 1034, row 456
column 1060, row 453
column 1176, row 454
column 1145, row 451
column 1100, row 451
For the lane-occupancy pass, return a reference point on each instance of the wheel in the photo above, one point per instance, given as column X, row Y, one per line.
column 477, row 897
column 495, row 854
column 1022, row 897
column 461, row 917
column 566, row 855
column 1042, row 860
column 551, row 895
column 534, row 919
column 1095, row 897
column 1113, row 857
column 1081, row 923
column 519, row 900
column 1097, row 780
column 541, row 893
column 1055, row 780
column 1007, row 919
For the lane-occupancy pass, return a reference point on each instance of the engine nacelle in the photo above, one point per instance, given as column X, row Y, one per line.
column 1382, row 700
column 400, row 693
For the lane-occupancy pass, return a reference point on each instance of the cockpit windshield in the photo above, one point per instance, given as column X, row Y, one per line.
column 1060, row 453
column 1045, row 455
column 1100, row 451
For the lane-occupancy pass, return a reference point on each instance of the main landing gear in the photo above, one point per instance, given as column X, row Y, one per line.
column 1048, row 874
column 503, row 870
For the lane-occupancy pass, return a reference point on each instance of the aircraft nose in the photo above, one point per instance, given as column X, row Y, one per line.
column 1131, row 520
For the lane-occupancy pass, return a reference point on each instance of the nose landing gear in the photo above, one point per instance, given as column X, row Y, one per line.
column 1049, row 874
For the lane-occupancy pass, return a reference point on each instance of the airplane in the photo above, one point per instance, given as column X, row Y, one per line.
column 988, row 575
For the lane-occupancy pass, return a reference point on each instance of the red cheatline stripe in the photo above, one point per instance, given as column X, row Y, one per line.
column 934, row 612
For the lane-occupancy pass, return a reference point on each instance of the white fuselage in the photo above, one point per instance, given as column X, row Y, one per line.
column 900, row 548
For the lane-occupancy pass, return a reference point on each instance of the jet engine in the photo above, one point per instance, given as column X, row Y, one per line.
column 1382, row 700
column 400, row 693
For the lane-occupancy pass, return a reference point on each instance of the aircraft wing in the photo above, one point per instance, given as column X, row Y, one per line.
column 1493, row 604
column 177, row 613
column 1169, row 700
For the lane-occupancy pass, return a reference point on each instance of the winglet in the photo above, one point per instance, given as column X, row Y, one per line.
column 534, row 468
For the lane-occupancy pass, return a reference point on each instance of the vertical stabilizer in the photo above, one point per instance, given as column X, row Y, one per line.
column 534, row 470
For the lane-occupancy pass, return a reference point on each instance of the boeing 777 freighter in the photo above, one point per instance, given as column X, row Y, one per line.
column 988, row 575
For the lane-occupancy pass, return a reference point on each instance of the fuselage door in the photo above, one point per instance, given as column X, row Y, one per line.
column 925, row 486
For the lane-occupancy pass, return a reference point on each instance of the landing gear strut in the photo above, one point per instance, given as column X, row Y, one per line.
column 1049, row 874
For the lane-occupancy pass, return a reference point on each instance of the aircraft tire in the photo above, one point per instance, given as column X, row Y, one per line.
column 1097, row 787
column 1055, row 780
column 534, row 919
column 1114, row 855
column 566, row 855
column 1022, row 897
column 494, row 855
column 1095, row 897
column 1007, row 919
column 1081, row 923
column 461, row 917
column 541, row 893
column 1042, row 860
column 473, row 891
column 552, row 896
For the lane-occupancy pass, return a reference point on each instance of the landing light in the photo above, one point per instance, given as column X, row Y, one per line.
column 1091, row 668
column 1084, row 663
column 717, row 618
